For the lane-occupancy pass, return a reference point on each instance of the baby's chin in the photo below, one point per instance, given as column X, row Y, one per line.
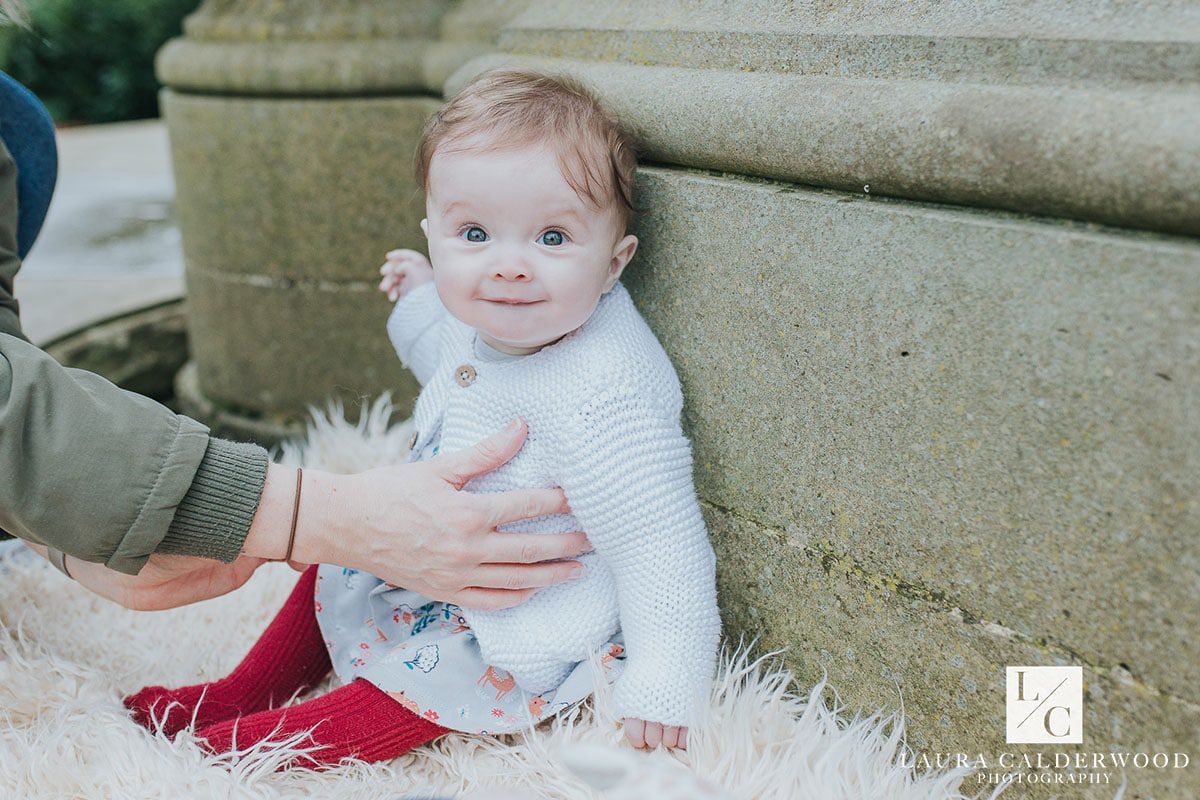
column 509, row 339
column 510, row 343
column 519, row 333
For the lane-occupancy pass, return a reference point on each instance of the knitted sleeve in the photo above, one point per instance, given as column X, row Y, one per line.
column 413, row 329
column 629, row 483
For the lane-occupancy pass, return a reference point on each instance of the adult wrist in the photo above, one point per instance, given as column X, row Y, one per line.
column 318, row 523
column 315, row 529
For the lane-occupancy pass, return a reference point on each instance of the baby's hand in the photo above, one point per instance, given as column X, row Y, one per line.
column 649, row 735
column 404, row 271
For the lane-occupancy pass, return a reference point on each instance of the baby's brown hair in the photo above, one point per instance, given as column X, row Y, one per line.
column 513, row 108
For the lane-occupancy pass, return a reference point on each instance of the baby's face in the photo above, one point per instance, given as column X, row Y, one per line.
column 516, row 254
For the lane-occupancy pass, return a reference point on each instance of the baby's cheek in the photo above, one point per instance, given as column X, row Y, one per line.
column 578, row 311
column 451, row 292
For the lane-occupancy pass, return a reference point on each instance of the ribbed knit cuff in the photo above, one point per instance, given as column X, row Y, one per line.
column 214, row 516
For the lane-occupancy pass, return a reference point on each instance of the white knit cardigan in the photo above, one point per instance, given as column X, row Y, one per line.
column 603, row 407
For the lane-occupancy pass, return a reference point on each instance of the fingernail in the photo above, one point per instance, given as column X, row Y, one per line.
column 576, row 570
column 513, row 426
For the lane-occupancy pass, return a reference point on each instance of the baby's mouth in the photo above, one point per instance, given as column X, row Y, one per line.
column 511, row 301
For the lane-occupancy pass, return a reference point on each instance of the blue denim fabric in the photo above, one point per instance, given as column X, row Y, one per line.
column 28, row 133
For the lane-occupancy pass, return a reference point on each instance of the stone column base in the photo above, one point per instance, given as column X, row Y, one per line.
column 228, row 422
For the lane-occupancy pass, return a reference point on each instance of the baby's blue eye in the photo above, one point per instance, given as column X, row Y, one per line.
column 552, row 238
column 476, row 234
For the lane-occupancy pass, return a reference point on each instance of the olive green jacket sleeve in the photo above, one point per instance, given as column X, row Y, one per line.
column 101, row 473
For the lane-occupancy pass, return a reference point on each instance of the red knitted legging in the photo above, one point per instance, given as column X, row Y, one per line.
column 237, row 711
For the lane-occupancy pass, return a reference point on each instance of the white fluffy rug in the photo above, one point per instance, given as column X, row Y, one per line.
column 67, row 658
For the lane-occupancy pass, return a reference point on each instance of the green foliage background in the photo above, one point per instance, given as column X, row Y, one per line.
column 92, row 60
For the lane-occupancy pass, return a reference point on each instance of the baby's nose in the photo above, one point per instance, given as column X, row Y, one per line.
column 511, row 272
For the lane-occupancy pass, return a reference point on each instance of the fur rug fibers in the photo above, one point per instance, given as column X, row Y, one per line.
column 67, row 657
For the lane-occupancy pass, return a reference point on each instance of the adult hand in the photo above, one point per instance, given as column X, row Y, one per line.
column 413, row 526
column 164, row 582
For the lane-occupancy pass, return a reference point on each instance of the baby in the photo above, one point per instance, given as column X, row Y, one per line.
column 518, row 312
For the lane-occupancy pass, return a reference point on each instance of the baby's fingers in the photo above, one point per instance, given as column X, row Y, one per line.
column 403, row 255
column 635, row 732
column 393, row 281
column 670, row 736
column 675, row 736
column 654, row 735
column 394, row 267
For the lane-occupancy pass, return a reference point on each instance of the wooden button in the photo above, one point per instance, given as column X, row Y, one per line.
column 465, row 375
column 412, row 440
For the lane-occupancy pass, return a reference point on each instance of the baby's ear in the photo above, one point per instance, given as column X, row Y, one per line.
column 425, row 227
column 622, row 254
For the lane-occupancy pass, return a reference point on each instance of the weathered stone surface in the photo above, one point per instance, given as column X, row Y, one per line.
column 296, row 189
column 1009, row 42
column 1065, row 109
column 885, row 646
column 308, row 20
column 231, row 423
column 299, row 48
column 294, row 68
column 140, row 351
column 999, row 411
column 253, row 357
column 286, row 208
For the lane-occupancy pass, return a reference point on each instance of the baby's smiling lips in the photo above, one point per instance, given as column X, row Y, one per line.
column 511, row 301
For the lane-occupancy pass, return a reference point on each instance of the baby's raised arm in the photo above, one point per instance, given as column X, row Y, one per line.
column 629, row 484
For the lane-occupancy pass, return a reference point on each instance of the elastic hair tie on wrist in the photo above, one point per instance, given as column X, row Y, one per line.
column 295, row 515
